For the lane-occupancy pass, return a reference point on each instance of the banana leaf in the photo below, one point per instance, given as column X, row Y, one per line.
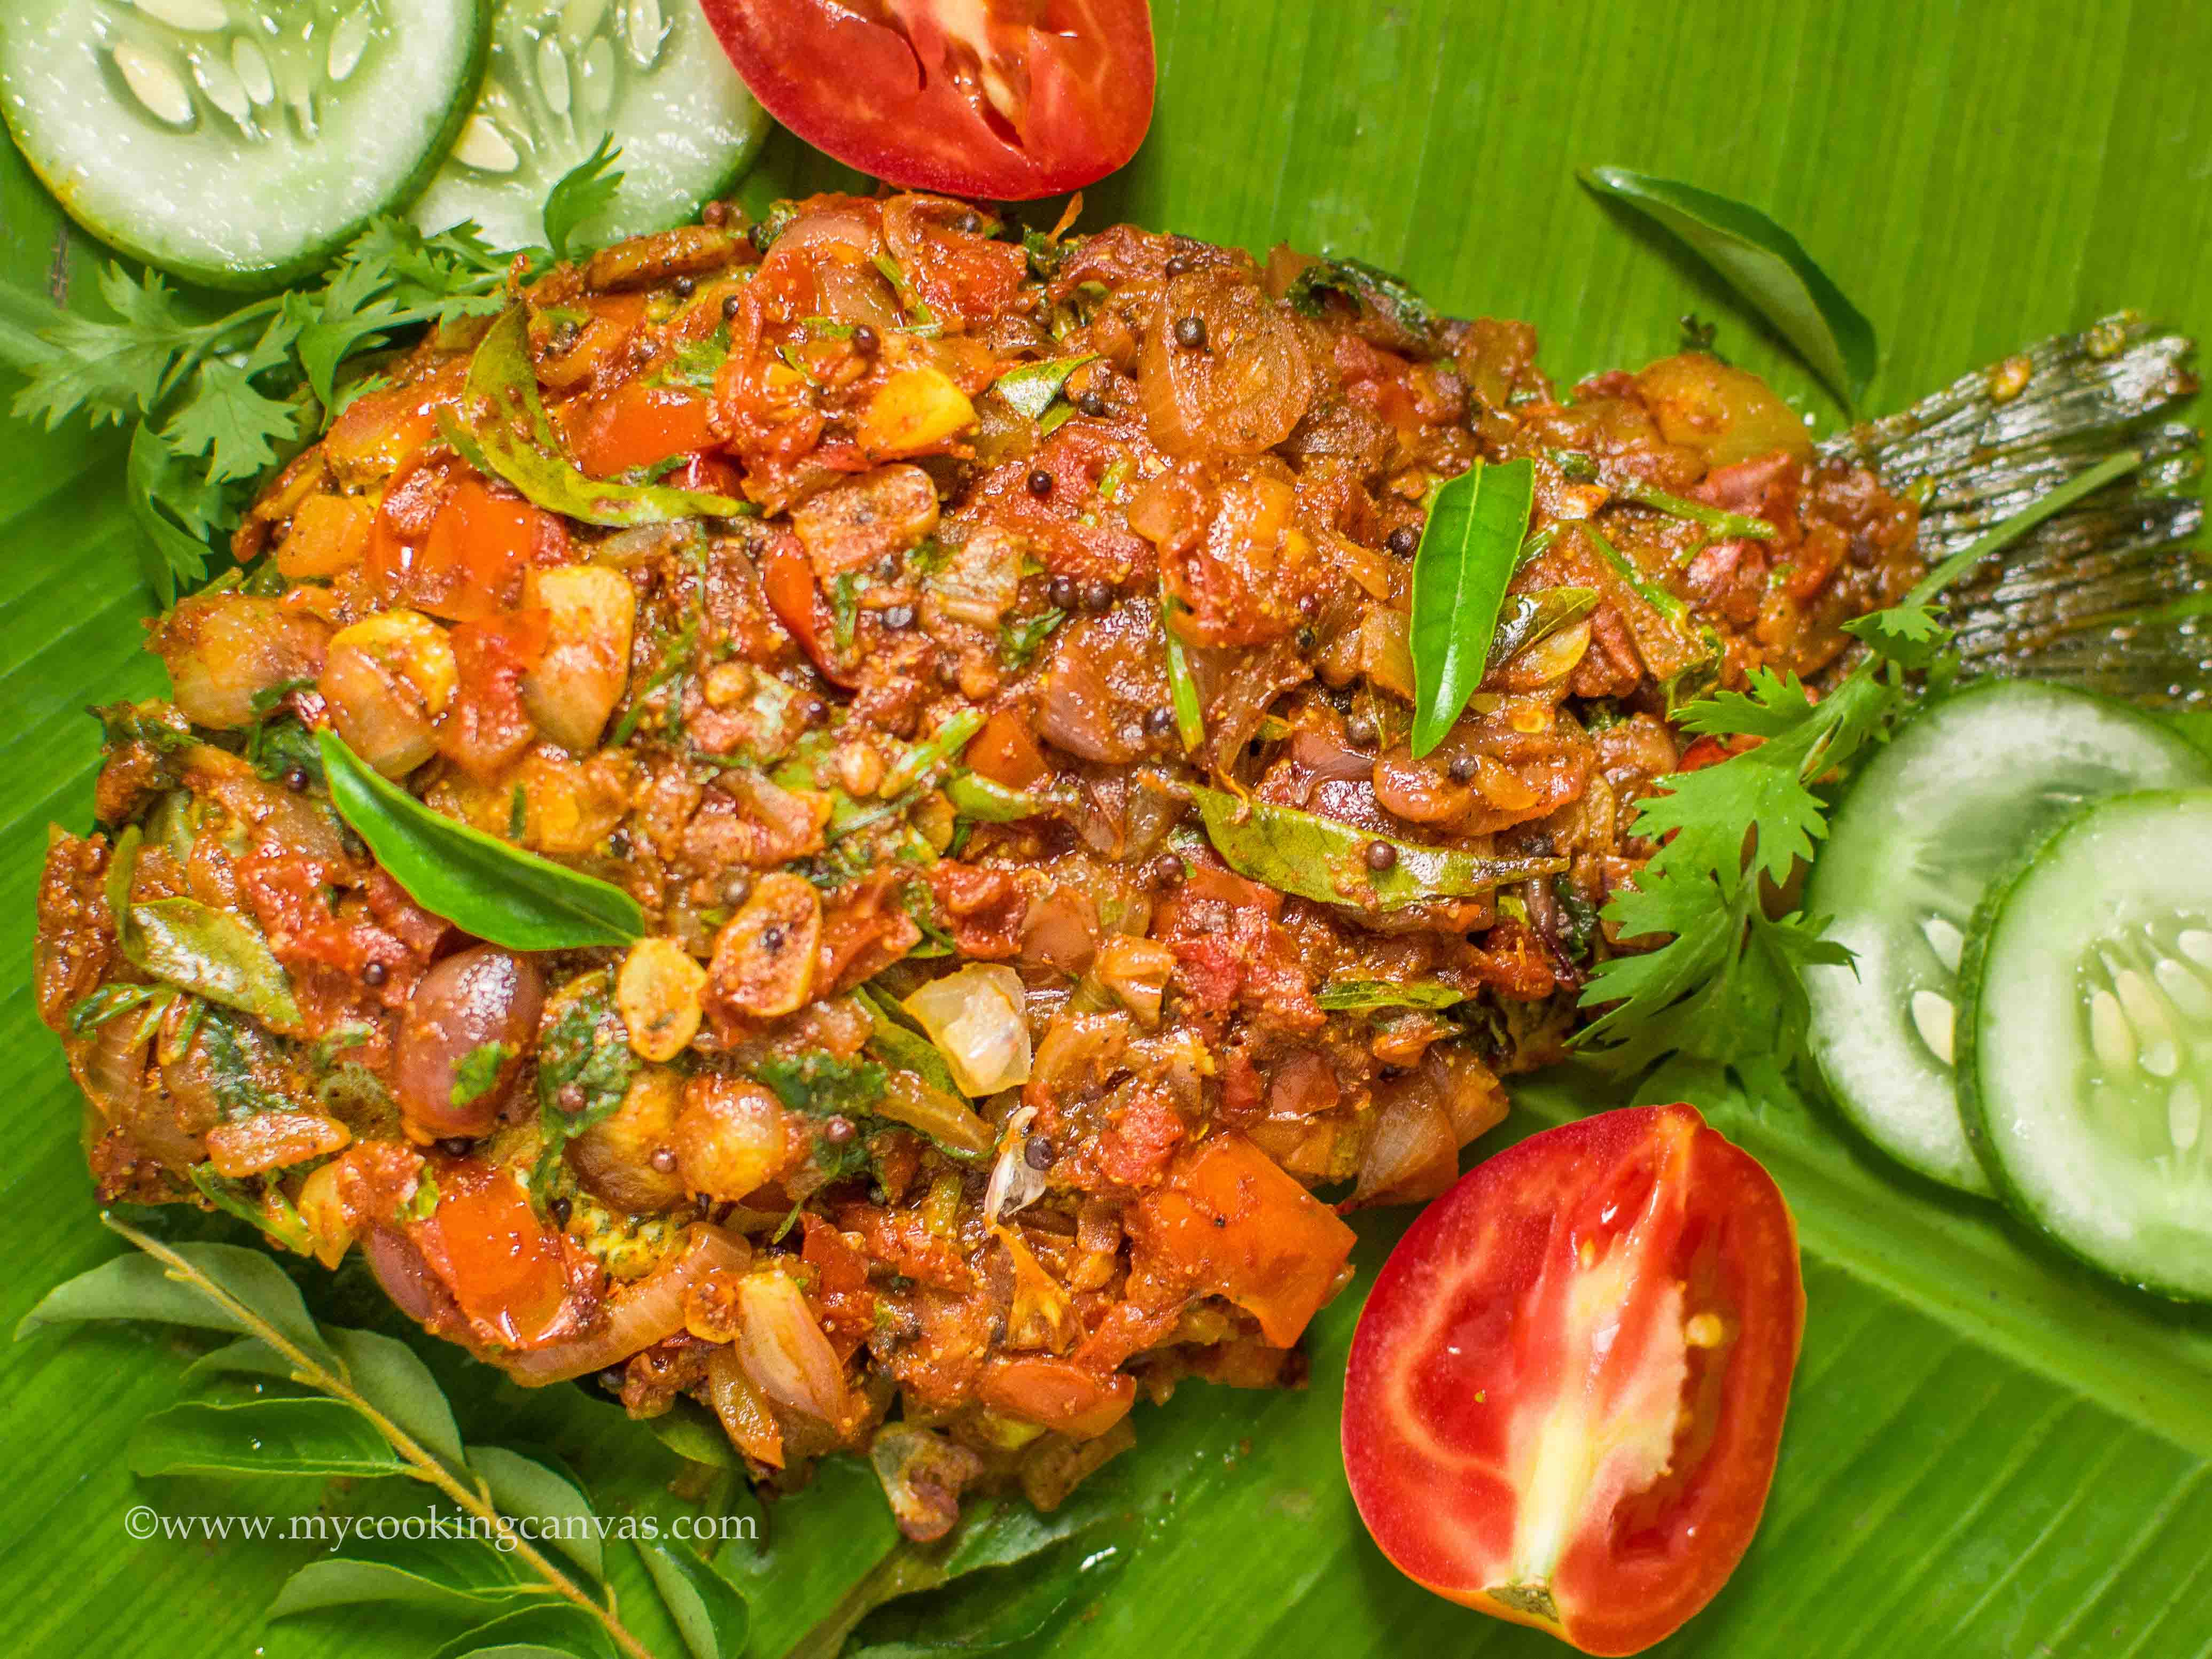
column 1989, row 1453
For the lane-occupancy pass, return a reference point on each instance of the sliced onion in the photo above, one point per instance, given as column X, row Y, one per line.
column 974, row 1018
column 649, row 1311
column 745, row 1413
column 405, row 1277
column 1077, row 712
column 1324, row 758
column 1233, row 713
column 783, row 1350
column 1412, row 1154
column 1060, row 931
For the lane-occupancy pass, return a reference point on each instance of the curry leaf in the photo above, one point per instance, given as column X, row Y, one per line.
column 548, row 1632
column 505, row 430
column 1362, row 995
column 246, row 1286
column 261, row 1437
column 1527, row 619
column 212, row 954
column 1469, row 550
column 389, row 1376
column 552, row 1502
column 708, row 1610
column 1031, row 388
column 1765, row 264
column 478, row 883
column 1334, row 863
column 414, row 1574
column 691, row 1430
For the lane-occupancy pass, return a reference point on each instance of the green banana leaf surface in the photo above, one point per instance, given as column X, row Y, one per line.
column 1989, row 1453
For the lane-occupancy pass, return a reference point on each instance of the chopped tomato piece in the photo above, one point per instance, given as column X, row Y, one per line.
column 486, row 726
column 479, row 544
column 1007, row 99
column 1228, row 1221
column 1565, row 1395
column 1059, row 1394
column 487, row 1247
column 1006, row 751
column 637, row 425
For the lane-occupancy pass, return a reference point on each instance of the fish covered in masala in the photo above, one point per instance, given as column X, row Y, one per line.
column 979, row 668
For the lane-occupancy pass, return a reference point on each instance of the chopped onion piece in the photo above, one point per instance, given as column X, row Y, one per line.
column 783, row 1350
column 974, row 1018
column 647, row 1312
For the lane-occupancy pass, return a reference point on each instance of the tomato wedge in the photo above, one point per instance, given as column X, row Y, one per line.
column 1008, row 99
column 1565, row 1393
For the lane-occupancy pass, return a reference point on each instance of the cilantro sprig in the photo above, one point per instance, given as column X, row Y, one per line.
column 1726, row 985
column 215, row 401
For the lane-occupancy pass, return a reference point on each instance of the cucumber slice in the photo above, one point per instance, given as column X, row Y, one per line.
column 566, row 73
column 1973, row 780
column 2084, row 1065
column 237, row 143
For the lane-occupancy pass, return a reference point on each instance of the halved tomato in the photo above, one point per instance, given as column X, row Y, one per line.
column 1565, row 1393
column 1008, row 99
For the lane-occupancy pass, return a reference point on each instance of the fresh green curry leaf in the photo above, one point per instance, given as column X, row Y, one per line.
column 477, row 882
column 1031, row 388
column 1469, row 550
column 708, row 1610
column 505, row 430
column 549, row 1498
column 261, row 1437
column 1765, row 264
column 1335, row 863
column 407, row 1574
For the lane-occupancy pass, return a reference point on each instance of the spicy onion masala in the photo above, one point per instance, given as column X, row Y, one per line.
column 983, row 667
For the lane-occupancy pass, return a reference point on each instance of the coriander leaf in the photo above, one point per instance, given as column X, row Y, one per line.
column 1020, row 640
column 110, row 370
column 477, row 1074
column 822, row 1085
column 585, row 1065
column 1910, row 635
column 1469, row 549
column 1765, row 264
column 353, row 315
column 175, row 508
column 231, row 423
column 584, row 191
column 1770, row 706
